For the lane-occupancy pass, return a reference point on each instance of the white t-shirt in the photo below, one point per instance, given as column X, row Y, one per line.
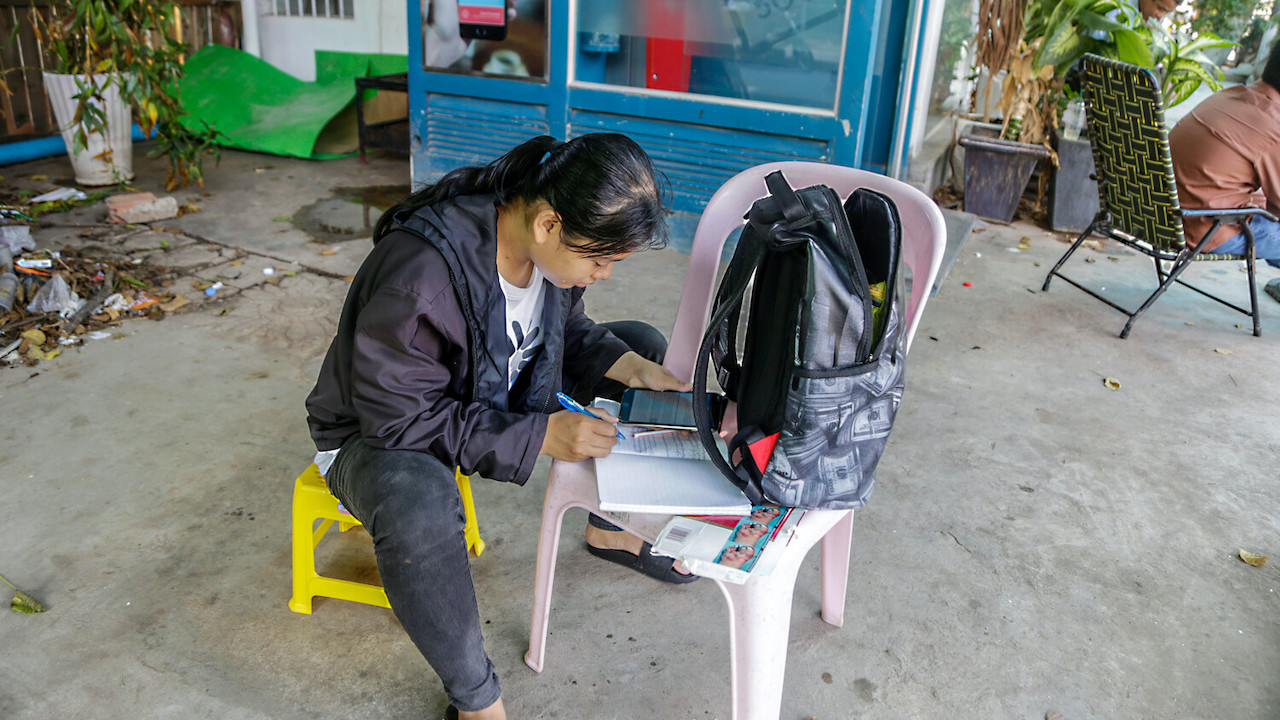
column 524, row 322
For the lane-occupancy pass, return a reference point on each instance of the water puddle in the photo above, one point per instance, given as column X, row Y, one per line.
column 350, row 214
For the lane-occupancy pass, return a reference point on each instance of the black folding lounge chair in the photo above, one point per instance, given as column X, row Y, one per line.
column 1139, row 197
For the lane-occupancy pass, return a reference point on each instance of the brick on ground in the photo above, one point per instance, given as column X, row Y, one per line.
column 138, row 208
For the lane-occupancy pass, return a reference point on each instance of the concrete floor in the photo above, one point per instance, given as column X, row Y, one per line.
column 1036, row 543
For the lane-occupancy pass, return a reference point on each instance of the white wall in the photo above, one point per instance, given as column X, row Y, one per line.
column 289, row 43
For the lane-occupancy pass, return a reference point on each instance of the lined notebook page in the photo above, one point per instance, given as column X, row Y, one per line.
column 649, row 484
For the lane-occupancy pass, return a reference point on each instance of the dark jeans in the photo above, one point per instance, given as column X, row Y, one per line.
column 409, row 503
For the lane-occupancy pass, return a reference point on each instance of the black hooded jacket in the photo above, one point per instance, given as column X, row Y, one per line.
column 420, row 357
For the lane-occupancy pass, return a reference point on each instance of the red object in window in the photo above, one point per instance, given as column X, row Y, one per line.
column 666, row 65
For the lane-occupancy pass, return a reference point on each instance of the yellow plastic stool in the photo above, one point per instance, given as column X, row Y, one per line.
column 311, row 502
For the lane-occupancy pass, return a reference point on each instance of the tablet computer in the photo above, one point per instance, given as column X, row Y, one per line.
column 666, row 409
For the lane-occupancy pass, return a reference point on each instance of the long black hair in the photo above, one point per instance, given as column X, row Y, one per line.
column 603, row 187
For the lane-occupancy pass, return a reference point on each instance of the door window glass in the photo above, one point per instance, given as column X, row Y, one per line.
column 777, row 51
column 486, row 37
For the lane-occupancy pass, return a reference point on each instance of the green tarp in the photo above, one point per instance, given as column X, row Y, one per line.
column 261, row 108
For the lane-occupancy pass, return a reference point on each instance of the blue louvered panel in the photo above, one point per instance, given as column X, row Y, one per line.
column 471, row 131
column 697, row 159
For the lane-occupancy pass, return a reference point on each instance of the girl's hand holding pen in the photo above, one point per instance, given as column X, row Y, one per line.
column 575, row 434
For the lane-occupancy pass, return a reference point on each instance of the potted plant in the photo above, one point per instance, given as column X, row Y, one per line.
column 111, row 61
column 1054, row 35
column 999, row 163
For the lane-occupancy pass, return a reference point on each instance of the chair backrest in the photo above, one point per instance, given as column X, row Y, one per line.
column 924, row 238
column 1131, row 151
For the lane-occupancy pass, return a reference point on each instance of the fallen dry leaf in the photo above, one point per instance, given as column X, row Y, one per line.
column 328, row 252
column 1222, row 351
column 1111, row 383
column 177, row 302
column 1253, row 559
column 35, row 335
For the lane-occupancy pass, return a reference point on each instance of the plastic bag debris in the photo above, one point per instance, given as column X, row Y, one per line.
column 63, row 193
column 17, row 237
column 115, row 302
column 55, row 296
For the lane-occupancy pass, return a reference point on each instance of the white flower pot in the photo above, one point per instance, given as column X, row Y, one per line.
column 108, row 159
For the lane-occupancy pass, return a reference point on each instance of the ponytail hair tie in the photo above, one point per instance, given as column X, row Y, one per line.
column 545, row 155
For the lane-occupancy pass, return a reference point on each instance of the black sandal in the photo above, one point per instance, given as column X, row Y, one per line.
column 661, row 568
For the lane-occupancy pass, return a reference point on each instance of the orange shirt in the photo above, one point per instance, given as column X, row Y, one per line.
column 1226, row 151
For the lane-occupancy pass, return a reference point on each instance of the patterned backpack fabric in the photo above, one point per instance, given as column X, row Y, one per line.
column 821, row 373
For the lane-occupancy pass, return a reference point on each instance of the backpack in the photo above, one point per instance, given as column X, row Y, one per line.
column 821, row 374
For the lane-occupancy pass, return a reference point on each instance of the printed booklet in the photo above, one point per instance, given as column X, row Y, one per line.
column 730, row 548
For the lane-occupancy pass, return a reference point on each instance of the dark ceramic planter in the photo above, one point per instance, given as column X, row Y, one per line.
column 996, row 173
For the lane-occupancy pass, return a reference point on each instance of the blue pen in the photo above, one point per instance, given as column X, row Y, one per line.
column 570, row 404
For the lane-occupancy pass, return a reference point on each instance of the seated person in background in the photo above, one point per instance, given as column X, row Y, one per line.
column 1226, row 151
column 1156, row 9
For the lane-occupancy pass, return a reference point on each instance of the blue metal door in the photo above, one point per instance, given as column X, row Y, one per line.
column 708, row 87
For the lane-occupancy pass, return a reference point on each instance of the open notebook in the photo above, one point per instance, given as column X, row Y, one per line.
column 668, row 473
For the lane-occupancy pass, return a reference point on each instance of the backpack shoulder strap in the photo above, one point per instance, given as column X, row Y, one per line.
column 788, row 202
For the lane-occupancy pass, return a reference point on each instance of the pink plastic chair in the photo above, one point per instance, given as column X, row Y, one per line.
column 760, row 609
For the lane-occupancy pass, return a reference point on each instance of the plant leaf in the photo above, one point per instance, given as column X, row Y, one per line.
column 1253, row 559
column 1205, row 41
column 1064, row 46
column 24, row 603
column 1094, row 21
column 1131, row 48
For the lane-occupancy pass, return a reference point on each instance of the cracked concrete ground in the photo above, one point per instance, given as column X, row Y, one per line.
column 1036, row 543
